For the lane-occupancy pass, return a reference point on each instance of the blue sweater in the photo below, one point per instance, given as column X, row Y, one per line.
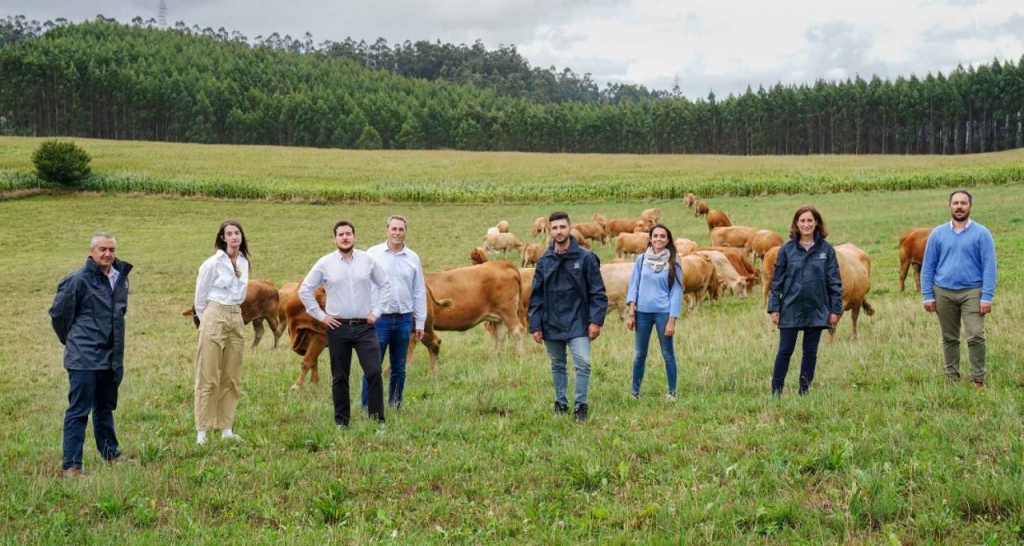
column 955, row 261
column 650, row 290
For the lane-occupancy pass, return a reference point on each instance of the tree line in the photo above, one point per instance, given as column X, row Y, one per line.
column 104, row 79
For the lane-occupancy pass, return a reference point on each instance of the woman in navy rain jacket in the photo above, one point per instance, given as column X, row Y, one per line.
column 806, row 294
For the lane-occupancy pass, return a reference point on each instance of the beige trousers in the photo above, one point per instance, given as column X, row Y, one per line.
column 218, row 366
column 954, row 307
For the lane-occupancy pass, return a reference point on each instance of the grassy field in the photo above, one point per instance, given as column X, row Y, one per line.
column 883, row 451
column 267, row 172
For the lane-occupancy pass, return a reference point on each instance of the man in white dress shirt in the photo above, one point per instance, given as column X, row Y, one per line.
column 348, row 276
column 408, row 305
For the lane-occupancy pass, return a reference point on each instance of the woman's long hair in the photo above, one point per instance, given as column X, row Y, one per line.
column 221, row 244
column 673, row 257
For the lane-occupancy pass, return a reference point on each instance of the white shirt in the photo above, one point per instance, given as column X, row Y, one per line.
column 348, row 284
column 409, row 293
column 217, row 281
column 113, row 276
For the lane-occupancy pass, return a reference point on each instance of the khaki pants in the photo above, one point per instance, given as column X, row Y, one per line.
column 218, row 366
column 952, row 306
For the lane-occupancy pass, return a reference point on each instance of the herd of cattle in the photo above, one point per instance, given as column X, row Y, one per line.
column 497, row 293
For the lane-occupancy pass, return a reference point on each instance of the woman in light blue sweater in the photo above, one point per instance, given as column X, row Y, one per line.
column 655, row 298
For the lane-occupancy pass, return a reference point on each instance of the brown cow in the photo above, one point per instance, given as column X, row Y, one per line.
column 580, row 239
column 525, row 289
column 630, row 243
column 726, row 273
column 855, row 271
column 717, row 218
column 478, row 255
column 616, row 283
column 615, row 227
column 486, row 292
column 540, row 226
column 912, row 246
column 504, row 242
column 734, row 236
column 531, row 254
column 699, row 278
column 763, row 241
column 502, row 226
column 261, row 303
column 286, row 292
column 592, row 230
column 739, row 260
column 308, row 335
column 700, row 208
column 599, row 219
column 651, row 216
column 685, row 246
column 689, row 199
column 767, row 269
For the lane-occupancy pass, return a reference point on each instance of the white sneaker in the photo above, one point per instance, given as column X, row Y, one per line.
column 233, row 437
column 671, row 396
column 201, row 441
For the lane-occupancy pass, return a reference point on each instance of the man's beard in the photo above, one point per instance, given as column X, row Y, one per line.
column 966, row 214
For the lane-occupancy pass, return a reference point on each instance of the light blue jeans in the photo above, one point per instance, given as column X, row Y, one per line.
column 645, row 322
column 580, row 349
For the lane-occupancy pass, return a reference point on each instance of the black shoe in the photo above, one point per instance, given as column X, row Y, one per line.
column 580, row 414
column 561, row 408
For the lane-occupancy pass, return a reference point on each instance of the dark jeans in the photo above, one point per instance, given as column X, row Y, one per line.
column 393, row 333
column 95, row 391
column 340, row 342
column 787, row 343
column 645, row 322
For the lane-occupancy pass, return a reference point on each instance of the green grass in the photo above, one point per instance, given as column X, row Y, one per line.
column 883, row 451
column 267, row 172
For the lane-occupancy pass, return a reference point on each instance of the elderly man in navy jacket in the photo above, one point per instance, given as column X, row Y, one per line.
column 88, row 317
column 567, row 309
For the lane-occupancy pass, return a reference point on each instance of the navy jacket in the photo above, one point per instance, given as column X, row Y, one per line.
column 568, row 293
column 806, row 286
column 88, row 317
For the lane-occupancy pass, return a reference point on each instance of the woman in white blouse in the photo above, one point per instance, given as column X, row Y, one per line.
column 220, row 292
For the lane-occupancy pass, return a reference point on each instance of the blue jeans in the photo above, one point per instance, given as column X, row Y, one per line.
column 95, row 391
column 645, row 322
column 787, row 344
column 393, row 331
column 580, row 349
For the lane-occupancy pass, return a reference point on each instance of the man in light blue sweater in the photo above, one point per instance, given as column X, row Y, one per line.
column 958, row 281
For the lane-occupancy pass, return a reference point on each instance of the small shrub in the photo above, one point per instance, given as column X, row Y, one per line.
column 61, row 163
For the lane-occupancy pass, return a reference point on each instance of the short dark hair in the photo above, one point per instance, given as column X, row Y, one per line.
column 970, row 198
column 559, row 215
column 819, row 227
column 343, row 223
column 221, row 244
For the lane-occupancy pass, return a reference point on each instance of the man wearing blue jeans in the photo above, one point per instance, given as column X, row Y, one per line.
column 567, row 309
column 408, row 305
column 88, row 317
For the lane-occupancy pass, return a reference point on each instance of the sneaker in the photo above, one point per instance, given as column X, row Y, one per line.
column 233, row 437
column 71, row 473
column 342, row 428
column 580, row 413
column 634, row 395
column 201, row 441
column 121, row 459
column 561, row 408
column 671, row 396
column 979, row 385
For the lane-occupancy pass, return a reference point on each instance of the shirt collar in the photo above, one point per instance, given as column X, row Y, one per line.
column 388, row 250
column 966, row 226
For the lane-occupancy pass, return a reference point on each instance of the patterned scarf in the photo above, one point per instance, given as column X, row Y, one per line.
column 657, row 260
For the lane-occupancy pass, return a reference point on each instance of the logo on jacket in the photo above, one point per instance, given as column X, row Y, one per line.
column 821, row 256
column 576, row 265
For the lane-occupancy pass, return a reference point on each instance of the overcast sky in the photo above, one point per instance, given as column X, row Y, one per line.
column 723, row 45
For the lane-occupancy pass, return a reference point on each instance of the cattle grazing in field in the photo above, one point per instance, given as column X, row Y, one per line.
column 540, row 226
column 478, row 255
column 685, row 246
column 261, row 304
column 503, row 242
column 767, row 268
column 727, row 275
column 531, row 253
column 615, row 227
column 689, row 199
column 468, row 296
column 699, row 278
column 734, row 236
column 763, row 241
column 631, row 243
column 502, row 226
column 599, row 219
column 286, row 292
column 717, row 218
column 912, row 246
column 592, row 230
column 855, row 271
column 700, row 208
column 740, row 262
column 651, row 216
column 580, row 239
column 616, row 283
column 308, row 335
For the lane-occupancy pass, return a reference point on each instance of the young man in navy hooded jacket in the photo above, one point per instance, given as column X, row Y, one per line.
column 567, row 309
